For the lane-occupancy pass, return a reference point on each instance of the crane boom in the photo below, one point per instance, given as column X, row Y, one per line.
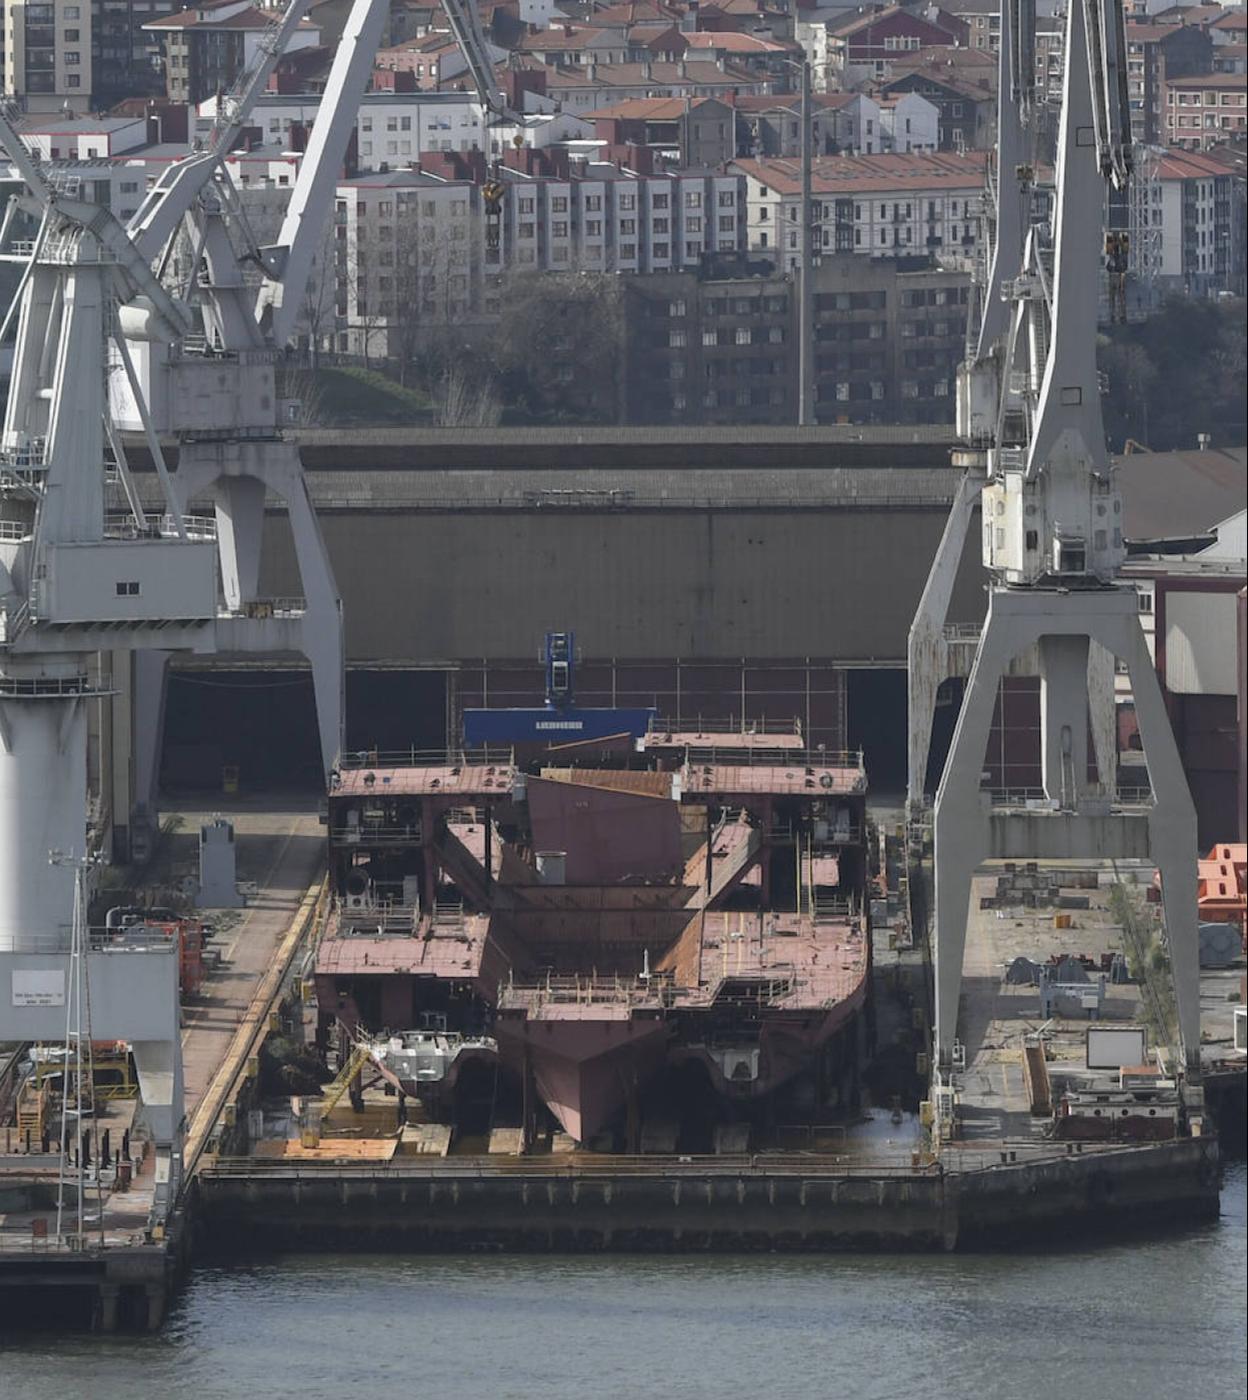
column 158, row 216
column 277, row 307
column 289, row 262
column 465, row 24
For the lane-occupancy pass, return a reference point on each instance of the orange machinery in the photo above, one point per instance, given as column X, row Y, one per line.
column 1222, row 886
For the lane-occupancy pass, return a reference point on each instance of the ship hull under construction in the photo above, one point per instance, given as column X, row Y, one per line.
column 671, row 933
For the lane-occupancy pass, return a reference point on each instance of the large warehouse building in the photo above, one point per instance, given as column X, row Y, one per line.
column 768, row 575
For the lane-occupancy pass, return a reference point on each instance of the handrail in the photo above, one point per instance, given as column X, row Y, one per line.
column 427, row 758
column 796, row 1163
column 251, row 1031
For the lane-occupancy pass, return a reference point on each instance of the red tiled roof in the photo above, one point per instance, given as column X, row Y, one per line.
column 200, row 17
column 661, row 74
column 1237, row 81
column 732, row 42
column 574, row 37
column 865, row 174
column 1188, row 165
column 792, row 102
column 654, row 109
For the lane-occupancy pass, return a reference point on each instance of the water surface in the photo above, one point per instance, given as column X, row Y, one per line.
column 1159, row 1317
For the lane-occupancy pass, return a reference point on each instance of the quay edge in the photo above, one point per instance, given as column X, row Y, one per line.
column 704, row 1207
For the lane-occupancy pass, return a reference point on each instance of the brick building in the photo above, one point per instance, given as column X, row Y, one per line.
column 1205, row 111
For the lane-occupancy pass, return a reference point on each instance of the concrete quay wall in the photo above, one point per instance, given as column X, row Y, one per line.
column 687, row 1208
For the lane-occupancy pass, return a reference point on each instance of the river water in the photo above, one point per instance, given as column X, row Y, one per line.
column 1161, row 1317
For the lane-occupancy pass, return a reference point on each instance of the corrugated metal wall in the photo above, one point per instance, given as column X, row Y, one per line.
column 432, row 586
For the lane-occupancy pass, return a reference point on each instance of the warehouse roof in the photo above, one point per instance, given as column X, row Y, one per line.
column 1173, row 494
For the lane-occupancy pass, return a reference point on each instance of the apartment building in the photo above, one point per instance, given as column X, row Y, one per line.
column 886, row 206
column 716, row 348
column 863, row 45
column 983, row 22
column 1194, row 241
column 961, row 84
column 603, row 218
column 1205, row 111
column 206, row 47
column 683, row 131
column 909, row 124
column 48, row 54
column 1156, row 52
column 420, row 242
column 408, row 248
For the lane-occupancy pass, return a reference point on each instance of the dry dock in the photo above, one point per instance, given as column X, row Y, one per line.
column 870, row 1186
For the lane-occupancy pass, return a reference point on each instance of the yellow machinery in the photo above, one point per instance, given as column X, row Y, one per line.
column 113, row 1077
column 315, row 1114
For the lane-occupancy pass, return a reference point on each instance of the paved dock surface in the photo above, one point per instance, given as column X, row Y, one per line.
column 995, row 1015
column 281, row 853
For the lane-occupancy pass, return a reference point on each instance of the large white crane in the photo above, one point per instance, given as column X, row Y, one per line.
column 1012, row 296
column 1052, row 544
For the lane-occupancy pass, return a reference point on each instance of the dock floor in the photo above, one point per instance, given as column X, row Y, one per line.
column 279, row 853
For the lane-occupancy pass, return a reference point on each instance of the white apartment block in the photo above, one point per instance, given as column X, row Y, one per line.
column 409, row 249
column 412, row 248
column 881, row 207
column 608, row 220
column 47, row 54
column 393, row 128
column 1189, row 234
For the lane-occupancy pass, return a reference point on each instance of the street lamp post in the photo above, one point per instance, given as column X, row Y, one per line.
column 805, row 331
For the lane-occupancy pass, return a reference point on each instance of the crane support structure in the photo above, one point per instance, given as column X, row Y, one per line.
column 1052, row 545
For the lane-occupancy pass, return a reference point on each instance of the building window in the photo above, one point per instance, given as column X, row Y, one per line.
column 127, row 589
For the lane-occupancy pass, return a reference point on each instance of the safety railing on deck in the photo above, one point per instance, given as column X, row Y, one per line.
column 427, row 758
column 262, row 608
column 760, row 756
column 696, row 724
column 160, row 527
column 588, row 991
column 1037, row 800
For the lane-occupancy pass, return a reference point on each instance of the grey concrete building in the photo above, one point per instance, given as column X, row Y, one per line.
column 724, row 349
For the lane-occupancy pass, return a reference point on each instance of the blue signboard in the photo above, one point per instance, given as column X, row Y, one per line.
column 552, row 725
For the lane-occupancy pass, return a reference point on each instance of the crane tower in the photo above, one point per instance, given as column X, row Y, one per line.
column 1052, row 545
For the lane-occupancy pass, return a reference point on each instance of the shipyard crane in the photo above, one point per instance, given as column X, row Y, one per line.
column 109, row 336
column 217, row 391
column 984, row 382
column 1052, row 545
